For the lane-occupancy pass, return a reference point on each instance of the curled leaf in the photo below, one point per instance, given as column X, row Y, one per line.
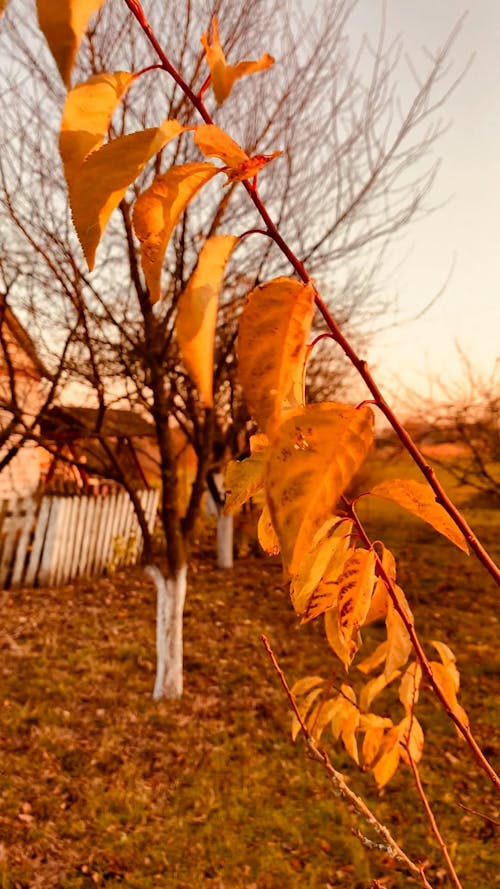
column 223, row 76
column 214, row 142
column 157, row 211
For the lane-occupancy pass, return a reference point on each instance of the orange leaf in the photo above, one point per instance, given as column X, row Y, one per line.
column 224, row 75
column 266, row 534
column 324, row 561
column 157, row 211
column 63, row 23
column 244, row 479
column 355, row 590
column 314, row 456
column 409, row 686
column 102, row 180
column 197, row 313
column 214, row 142
column 272, row 335
column 87, row 114
column 419, row 499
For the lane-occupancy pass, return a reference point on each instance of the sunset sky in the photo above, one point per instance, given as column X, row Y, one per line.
column 462, row 235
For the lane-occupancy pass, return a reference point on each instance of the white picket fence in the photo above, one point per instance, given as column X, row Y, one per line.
column 51, row 540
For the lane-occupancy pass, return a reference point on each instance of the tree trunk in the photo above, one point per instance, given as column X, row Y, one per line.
column 171, row 595
column 225, row 526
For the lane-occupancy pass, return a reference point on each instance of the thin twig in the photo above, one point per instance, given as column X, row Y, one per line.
column 432, row 821
column 391, row 847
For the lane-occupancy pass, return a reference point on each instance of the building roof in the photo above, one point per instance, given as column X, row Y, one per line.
column 20, row 336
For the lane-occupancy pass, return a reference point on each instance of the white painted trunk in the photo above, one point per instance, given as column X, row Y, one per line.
column 225, row 528
column 171, row 595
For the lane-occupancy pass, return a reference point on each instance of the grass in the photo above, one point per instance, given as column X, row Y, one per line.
column 100, row 786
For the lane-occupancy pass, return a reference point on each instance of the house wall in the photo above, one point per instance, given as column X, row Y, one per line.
column 21, row 476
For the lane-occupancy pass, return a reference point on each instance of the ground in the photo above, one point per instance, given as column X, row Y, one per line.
column 100, row 786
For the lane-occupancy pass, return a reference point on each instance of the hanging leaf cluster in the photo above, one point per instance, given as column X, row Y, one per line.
column 304, row 457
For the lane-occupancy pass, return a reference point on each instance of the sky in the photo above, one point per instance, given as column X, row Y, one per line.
column 463, row 234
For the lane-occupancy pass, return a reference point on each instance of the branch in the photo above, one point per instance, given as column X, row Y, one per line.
column 390, row 847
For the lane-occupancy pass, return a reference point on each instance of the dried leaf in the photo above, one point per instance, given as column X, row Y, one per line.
column 272, row 335
column 214, row 142
column 224, row 75
column 327, row 556
column 157, row 210
column 197, row 313
column 355, row 591
column 314, row 456
column 64, row 23
column 419, row 499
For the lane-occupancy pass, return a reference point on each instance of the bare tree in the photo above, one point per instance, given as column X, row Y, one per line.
column 370, row 174
column 461, row 420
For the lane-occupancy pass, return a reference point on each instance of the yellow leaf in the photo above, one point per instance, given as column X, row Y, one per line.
column 349, row 722
column 449, row 661
column 97, row 189
column 157, row 211
column 314, row 456
column 399, row 643
column 197, row 313
column 302, row 686
column 243, row 479
column 355, row 590
column 87, row 114
column 446, row 678
column 322, row 714
column 419, row 499
column 272, row 335
column 409, row 686
column 375, row 728
column 214, row 142
column 387, row 764
column 345, row 651
column 266, row 534
column 373, row 688
column 224, row 75
column 411, row 739
column 374, row 659
column 64, row 22
column 378, row 604
column 327, row 555
column 3, row 6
